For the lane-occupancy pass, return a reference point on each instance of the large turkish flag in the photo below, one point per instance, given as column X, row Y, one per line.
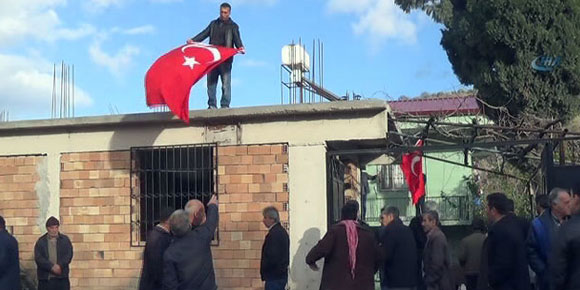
column 170, row 78
column 412, row 167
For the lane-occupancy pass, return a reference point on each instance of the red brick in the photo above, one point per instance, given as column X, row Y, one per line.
column 264, row 159
column 255, row 169
column 236, row 169
column 276, row 149
column 276, row 168
column 282, row 197
column 259, row 150
column 227, row 151
column 282, row 158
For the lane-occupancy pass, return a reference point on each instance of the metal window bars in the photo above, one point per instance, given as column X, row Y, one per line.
column 168, row 176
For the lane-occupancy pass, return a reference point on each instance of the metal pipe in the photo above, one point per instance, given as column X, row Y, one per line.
column 439, row 148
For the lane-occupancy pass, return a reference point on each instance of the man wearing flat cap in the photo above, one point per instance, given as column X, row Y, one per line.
column 53, row 253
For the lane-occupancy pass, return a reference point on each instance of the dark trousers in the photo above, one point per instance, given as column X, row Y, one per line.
column 276, row 284
column 54, row 284
column 471, row 281
column 224, row 71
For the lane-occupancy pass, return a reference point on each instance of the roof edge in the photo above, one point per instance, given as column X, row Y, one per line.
column 219, row 116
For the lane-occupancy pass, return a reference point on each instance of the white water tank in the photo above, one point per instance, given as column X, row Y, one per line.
column 295, row 56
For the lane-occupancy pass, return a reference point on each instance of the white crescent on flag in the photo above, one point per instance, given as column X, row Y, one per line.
column 416, row 159
column 214, row 51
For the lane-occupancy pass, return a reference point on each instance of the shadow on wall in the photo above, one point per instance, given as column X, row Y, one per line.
column 301, row 276
column 134, row 134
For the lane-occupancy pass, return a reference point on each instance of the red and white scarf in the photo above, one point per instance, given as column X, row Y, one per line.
column 352, row 239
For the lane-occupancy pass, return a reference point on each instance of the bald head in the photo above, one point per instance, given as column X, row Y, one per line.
column 196, row 212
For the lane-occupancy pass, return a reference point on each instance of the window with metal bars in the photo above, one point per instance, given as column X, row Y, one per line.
column 391, row 177
column 168, row 176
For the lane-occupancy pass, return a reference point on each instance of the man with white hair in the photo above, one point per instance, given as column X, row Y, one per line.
column 542, row 232
column 188, row 262
column 275, row 252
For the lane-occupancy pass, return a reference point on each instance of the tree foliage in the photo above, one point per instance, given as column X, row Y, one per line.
column 491, row 45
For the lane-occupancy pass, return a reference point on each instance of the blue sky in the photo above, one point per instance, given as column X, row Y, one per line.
column 370, row 47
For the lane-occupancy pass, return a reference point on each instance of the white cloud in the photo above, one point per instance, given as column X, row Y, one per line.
column 165, row 1
column 380, row 20
column 139, row 30
column 145, row 29
column 97, row 6
column 116, row 63
column 253, row 63
column 26, row 85
column 25, row 20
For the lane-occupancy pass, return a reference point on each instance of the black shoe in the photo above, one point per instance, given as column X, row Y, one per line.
column 211, row 107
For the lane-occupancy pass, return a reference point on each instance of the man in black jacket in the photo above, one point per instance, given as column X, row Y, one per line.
column 400, row 252
column 222, row 32
column 188, row 262
column 564, row 263
column 53, row 253
column 507, row 260
column 275, row 252
column 9, row 263
column 158, row 241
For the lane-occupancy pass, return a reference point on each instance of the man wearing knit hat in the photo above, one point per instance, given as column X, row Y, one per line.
column 53, row 253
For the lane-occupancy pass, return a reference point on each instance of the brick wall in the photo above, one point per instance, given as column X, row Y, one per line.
column 19, row 204
column 250, row 178
column 95, row 213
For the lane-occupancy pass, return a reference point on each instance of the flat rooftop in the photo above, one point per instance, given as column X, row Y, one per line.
column 257, row 114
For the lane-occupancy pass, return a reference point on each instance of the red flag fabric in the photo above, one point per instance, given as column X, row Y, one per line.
column 412, row 167
column 170, row 78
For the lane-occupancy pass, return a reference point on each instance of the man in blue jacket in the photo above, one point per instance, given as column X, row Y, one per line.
column 542, row 232
column 9, row 263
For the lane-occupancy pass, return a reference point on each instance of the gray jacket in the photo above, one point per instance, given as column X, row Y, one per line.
column 436, row 261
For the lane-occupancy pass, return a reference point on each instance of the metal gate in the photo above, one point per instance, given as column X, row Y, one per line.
column 335, row 188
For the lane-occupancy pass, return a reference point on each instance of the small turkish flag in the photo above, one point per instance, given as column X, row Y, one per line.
column 412, row 166
column 170, row 78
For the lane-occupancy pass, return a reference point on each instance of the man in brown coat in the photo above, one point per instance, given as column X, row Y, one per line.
column 436, row 254
column 352, row 255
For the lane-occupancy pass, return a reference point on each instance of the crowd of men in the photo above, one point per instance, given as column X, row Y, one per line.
column 418, row 256
column 414, row 257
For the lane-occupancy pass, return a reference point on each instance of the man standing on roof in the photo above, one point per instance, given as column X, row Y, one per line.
column 222, row 32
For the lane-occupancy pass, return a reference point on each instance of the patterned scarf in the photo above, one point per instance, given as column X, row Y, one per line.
column 352, row 238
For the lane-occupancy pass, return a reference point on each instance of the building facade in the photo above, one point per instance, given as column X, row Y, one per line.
column 107, row 177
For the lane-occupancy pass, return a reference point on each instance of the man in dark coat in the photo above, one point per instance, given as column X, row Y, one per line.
column 469, row 255
column 158, row 241
column 9, row 262
column 223, row 32
column 188, row 262
column 53, row 253
column 275, row 252
column 507, row 259
column 565, row 261
column 436, row 254
column 420, row 241
column 542, row 232
column 347, row 265
column 400, row 252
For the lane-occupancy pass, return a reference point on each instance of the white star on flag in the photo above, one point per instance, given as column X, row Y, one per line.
column 190, row 61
